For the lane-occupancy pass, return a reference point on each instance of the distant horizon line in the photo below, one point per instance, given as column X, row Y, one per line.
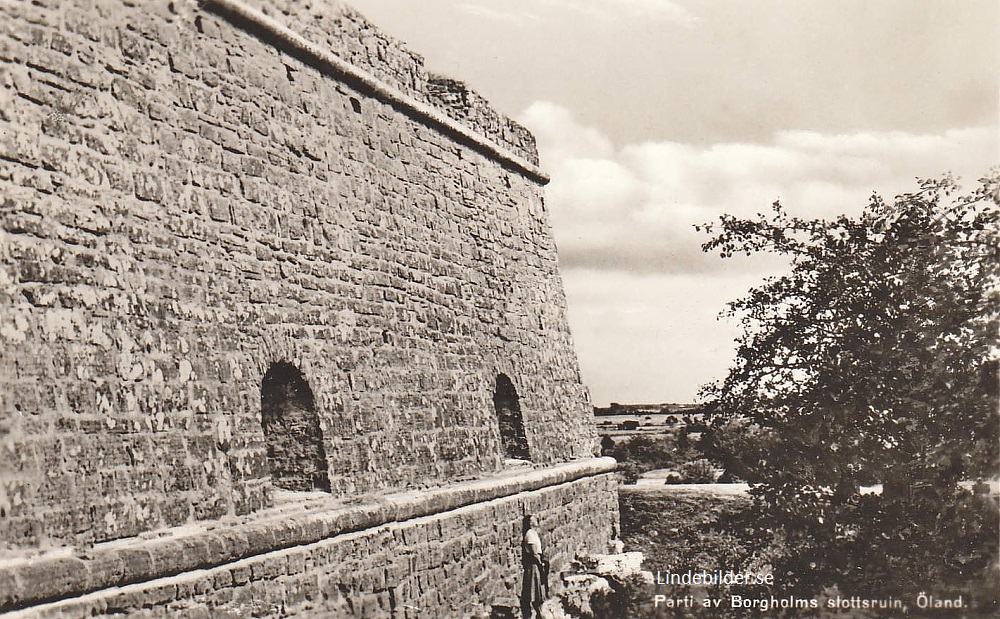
column 648, row 405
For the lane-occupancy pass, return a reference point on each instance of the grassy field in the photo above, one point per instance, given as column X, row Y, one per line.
column 683, row 529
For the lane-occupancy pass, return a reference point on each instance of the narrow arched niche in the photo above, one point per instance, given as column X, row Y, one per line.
column 511, row 422
column 291, row 427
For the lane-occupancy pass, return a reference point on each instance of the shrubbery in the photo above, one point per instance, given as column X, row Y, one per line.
column 698, row 471
column 641, row 454
column 874, row 359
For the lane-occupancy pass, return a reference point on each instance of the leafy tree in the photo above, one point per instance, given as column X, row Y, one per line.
column 874, row 360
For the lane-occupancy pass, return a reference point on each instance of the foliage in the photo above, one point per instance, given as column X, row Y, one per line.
column 640, row 454
column 692, row 530
column 627, row 599
column 873, row 360
column 698, row 471
column 681, row 530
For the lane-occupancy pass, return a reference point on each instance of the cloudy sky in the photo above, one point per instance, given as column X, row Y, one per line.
column 655, row 115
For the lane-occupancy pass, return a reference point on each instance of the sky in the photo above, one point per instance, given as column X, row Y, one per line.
column 653, row 116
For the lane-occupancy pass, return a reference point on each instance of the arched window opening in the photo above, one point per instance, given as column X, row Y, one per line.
column 508, row 409
column 288, row 416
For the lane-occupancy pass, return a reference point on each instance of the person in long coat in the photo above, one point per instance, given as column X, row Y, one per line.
column 534, row 586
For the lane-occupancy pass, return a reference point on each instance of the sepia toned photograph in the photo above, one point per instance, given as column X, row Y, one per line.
column 509, row 309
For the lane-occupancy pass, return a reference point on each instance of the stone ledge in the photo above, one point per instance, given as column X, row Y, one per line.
column 274, row 32
column 28, row 582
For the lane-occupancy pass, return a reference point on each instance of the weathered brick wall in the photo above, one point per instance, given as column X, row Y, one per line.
column 454, row 563
column 183, row 204
column 338, row 27
column 461, row 102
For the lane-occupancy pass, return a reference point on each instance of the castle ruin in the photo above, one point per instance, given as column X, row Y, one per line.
column 281, row 323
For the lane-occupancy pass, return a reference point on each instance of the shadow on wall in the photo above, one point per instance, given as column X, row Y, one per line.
column 508, row 409
column 291, row 429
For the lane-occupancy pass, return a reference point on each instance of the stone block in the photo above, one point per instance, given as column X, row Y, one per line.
column 53, row 579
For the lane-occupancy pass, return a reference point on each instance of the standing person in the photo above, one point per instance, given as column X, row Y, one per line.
column 534, row 586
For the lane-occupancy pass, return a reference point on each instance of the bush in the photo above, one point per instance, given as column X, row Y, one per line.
column 641, row 454
column 698, row 472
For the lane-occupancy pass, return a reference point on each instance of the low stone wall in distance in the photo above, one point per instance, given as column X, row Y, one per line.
column 453, row 551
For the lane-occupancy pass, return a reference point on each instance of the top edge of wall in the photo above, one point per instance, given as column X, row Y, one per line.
column 333, row 35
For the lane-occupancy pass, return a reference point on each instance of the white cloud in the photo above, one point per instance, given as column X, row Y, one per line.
column 643, row 298
column 564, row 138
column 634, row 208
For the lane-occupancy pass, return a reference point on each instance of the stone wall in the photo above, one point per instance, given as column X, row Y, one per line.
column 187, row 200
column 453, row 553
